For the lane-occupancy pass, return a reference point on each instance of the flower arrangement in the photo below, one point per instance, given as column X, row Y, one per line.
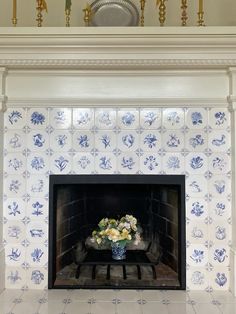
column 120, row 231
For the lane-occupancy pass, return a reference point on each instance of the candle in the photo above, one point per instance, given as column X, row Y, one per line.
column 200, row 5
column 14, row 9
column 68, row 4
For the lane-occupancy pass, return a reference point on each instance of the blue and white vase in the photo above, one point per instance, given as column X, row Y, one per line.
column 118, row 251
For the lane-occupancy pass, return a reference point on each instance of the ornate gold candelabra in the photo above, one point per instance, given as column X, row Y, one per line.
column 87, row 15
column 14, row 18
column 67, row 11
column 184, row 16
column 162, row 12
column 142, row 3
column 41, row 5
column 201, row 14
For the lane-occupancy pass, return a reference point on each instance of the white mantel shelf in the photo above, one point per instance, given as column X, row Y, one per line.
column 118, row 48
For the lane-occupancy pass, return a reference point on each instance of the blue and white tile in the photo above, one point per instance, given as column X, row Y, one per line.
column 14, row 163
column 220, row 278
column 15, row 277
column 197, row 209
column 196, row 118
column 128, row 119
column 150, row 118
column 128, row 163
column 196, row 186
column 83, row 163
column 173, row 163
column 14, row 231
column 14, row 209
column 128, row 140
column 105, row 163
column 36, row 277
column 219, row 255
column 173, row 118
column 197, row 255
column 37, row 208
column 105, row 118
column 150, row 141
column 37, row 185
column 219, row 118
column 37, row 163
column 60, row 163
column 196, row 163
column 83, row 141
column 105, row 141
column 14, row 186
column 197, row 278
column 219, row 163
column 220, row 208
column 37, row 255
column 196, row 141
column 15, row 254
column 37, row 140
column 14, row 141
column 61, row 118
column 173, row 141
column 220, row 232
column 219, row 141
column 37, row 232
column 197, row 232
column 83, row 118
column 219, row 186
column 60, row 140
column 150, row 163
column 15, row 118
column 37, row 118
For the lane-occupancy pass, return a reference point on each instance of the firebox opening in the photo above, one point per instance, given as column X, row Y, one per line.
column 77, row 205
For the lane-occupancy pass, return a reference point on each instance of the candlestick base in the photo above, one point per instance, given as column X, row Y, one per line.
column 201, row 18
column 14, row 21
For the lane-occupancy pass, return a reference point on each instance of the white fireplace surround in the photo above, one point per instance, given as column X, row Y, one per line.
column 120, row 68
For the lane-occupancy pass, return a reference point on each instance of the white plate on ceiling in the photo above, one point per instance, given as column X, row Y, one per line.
column 114, row 13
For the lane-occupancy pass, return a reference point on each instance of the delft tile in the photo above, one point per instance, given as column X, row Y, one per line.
column 219, row 255
column 219, row 118
column 220, row 232
column 83, row 163
column 14, row 254
column 150, row 141
column 196, row 118
column 14, row 186
column 219, row 141
column 152, row 295
column 196, row 186
column 60, row 163
column 37, row 163
column 103, row 295
column 150, row 118
column 219, row 186
column 173, row 118
column 196, row 163
column 220, row 209
column 37, row 185
column 173, row 163
column 128, row 295
column 14, row 208
column 83, row 141
column 197, row 279
column 128, row 141
column 105, row 163
column 15, row 277
column 219, row 163
column 82, row 295
column 206, row 308
column 15, row 118
column 196, row 141
column 105, row 118
column 197, row 255
column 197, row 232
column 101, row 307
column 61, row 118
column 180, row 308
column 32, row 296
column 128, row 163
column 52, row 307
column 173, row 141
column 82, row 308
column 154, row 307
column 176, row 296
column 105, row 141
column 14, row 231
column 128, row 119
column 37, row 140
column 150, row 163
column 37, row 118
column 14, row 163
column 24, row 307
column 37, row 209
column 60, row 140
column 37, row 232
column 219, row 278
column 197, row 208
column 36, row 278
column 36, row 255
column 83, row 118
column 14, row 141
column 224, row 297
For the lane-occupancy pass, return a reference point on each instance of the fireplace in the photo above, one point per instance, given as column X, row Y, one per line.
column 79, row 202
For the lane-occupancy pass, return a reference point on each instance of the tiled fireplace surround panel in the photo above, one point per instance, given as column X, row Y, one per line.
column 145, row 140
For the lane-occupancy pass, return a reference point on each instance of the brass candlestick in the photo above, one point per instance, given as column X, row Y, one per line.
column 39, row 15
column 142, row 3
column 184, row 16
column 14, row 18
column 201, row 18
column 87, row 15
column 162, row 12
column 68, row 11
